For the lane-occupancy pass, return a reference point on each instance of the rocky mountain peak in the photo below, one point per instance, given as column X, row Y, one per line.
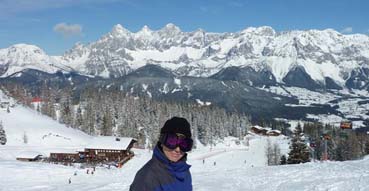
column 170, row 29
column 119, row 31
column 144, row 32
column 262, row 31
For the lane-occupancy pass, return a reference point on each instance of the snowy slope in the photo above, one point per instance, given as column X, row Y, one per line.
column 226, row 166
column 229, row 173
column 41, row 134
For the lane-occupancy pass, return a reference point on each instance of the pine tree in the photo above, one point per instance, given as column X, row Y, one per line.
column 273, row 153
column 25, row 138
column 78, row 120
column 106, row 123
column 283, row 160
column 2, row 134
column 367, row 148
column 299, row 152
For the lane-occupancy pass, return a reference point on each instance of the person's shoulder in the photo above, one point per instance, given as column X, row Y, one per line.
column 146, row 178
column 148, row 169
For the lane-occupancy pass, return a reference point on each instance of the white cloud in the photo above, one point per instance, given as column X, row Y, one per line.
column 68, row 30
column 347, row 30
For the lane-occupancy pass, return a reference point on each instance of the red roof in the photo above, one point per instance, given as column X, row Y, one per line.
column 36, row 99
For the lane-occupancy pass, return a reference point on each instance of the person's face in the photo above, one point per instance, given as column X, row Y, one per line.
column 173, row 155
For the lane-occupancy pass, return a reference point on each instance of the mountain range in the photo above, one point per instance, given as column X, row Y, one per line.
column 207, row 66
column 323, row 59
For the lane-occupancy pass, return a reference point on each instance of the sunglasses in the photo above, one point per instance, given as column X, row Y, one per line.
column 173, row 141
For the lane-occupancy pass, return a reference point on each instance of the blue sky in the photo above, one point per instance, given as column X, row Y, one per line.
column 56, row 25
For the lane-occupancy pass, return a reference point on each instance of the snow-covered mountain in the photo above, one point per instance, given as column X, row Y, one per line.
column 22, row 56
column 325, row 57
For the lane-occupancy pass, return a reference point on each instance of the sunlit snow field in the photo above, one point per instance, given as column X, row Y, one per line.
column 225, row 167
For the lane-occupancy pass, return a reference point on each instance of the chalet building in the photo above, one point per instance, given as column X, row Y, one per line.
column 67, row 157
column 107, row 149
column 29, row 156
column 259, row 130
column 273, row 133
column 266, row 131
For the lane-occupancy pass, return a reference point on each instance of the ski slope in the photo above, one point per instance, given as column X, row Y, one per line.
column 224, row 167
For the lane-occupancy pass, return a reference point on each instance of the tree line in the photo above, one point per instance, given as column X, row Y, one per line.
column 342, row 144
column 113, row 112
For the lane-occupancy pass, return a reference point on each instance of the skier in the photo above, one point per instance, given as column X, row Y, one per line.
column 167, row 170
column 69, row 180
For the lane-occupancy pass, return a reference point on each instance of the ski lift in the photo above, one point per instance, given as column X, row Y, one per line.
column 346, row 125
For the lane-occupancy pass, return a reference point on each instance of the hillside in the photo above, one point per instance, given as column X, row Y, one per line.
column 226, row 166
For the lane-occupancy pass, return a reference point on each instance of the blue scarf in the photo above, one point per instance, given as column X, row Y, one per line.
column 178, row 169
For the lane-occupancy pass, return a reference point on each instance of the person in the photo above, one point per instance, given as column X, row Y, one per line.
column 167, row 170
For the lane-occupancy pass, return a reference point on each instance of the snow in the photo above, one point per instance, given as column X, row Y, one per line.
column 178, row 82
column 227, row 44
column 28, row 154
column 172, row 54
column 279, row 66
column 203, row 103
column 165, row 89
column 346, row 100
column 231, row 164
column 109, row 142
column 323, row 53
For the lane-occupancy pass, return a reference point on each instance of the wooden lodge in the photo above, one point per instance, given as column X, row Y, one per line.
column 265, row 131
column 259, row 130
column 346, row 125
column 64, row 157
column 273, row 133
column 100, row 150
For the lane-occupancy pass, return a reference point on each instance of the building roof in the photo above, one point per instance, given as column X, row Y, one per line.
column 28, row 154
column 257, row 127
column 274, row 131
column 109, row 142
column 36, row 100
